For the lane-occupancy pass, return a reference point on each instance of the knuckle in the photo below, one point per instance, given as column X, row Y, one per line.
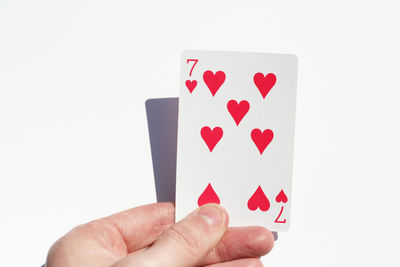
column 57, row 248
column 103, row 232
column 91, row 226
column 84, row 229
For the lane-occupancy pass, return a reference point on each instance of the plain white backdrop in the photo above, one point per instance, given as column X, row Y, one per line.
column 74, row 145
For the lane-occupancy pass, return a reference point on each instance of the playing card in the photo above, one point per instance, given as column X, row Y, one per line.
column 236, row 135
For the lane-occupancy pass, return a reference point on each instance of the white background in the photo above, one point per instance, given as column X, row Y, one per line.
column 74, row 143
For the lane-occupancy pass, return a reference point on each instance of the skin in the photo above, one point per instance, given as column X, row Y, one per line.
column 147, row 236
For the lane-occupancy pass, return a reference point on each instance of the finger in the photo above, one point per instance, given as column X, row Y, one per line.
column 187, row 242
column 105, row 241
column 254, row 262
column 140, row 227
column 241, row 242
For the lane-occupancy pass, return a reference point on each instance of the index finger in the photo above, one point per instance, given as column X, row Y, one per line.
column 141, row 226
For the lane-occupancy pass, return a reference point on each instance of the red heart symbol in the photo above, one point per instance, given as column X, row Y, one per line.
column 281, row 197
column 258, row 200
column 262, row 139
column 208, row 196
column 214, row 81
column 238, row 111
column 211, row 137
column 264, row 84
column 191, row 85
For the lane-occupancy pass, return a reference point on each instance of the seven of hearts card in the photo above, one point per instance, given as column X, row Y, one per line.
column 236, row 135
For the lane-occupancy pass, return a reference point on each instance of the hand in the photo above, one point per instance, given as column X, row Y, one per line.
column 147, row 236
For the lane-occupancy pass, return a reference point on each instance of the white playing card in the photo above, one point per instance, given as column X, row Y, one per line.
column 236, row 135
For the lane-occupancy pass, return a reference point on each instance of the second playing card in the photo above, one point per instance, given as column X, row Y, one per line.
column 236, row 135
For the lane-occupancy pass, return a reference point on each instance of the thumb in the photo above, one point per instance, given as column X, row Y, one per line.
column 187, row 242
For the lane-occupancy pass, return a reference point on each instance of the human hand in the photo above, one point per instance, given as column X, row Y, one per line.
column 147, row 236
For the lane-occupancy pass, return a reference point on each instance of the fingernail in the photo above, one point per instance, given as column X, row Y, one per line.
column 212, row 214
